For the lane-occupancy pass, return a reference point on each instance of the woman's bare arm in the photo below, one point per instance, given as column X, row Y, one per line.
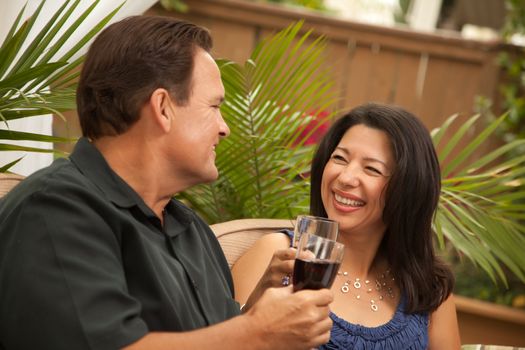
column 250, row 268
column 443, row 331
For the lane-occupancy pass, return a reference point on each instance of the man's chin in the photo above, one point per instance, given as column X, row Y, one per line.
column 212, row 176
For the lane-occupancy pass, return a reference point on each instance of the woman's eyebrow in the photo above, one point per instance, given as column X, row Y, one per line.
column 369, row 159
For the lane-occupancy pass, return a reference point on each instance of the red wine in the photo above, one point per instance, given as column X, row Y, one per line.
column 313, row 274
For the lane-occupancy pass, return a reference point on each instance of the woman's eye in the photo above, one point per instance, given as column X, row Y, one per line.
column 338, row 158
column 374, row 170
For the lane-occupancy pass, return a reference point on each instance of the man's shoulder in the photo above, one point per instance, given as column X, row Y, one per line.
column 57, row 180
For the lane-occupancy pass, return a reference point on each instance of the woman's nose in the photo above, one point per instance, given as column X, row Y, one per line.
column 349, row 177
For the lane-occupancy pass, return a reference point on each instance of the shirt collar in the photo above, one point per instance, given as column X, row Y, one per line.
column 90, row 162
column 179, row 220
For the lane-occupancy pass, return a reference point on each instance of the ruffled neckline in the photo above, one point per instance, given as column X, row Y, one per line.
column 398, row 322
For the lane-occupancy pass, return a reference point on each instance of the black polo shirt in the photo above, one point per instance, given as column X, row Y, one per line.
column 85, row 264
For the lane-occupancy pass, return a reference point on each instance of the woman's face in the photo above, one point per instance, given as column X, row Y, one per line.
column 354, row 180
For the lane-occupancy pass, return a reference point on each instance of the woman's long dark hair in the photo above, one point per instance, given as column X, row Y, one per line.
column 411, row 199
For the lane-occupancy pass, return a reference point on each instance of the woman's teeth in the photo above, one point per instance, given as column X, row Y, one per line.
column 347, row 201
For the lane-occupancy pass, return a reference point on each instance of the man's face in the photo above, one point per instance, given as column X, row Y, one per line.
column 198, row 125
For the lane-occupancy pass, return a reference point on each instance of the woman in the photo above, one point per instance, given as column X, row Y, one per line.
column 377, row 174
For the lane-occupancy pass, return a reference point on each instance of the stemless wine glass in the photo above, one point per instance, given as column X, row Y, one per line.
column 315, row 225
column 317, row 262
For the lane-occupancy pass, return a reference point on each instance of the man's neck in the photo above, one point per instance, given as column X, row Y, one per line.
column 137, row 163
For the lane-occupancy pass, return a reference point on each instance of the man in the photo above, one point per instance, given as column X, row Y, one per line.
column 95, row 253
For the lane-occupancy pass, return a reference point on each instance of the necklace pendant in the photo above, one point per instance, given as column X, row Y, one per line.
column 373, row 305
column 372, row 286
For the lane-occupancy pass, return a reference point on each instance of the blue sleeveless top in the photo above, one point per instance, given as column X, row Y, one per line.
column 403, row 331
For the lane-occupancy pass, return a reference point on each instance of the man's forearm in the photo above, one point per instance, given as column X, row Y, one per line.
column 237, row 333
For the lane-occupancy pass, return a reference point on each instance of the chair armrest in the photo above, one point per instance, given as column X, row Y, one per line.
column 237, row 236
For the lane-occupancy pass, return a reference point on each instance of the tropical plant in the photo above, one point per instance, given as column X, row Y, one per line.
column 481, row 200
column 264, row 163
column 33, row 81
column 271, row 103
column 309, row 4
column 174, row 5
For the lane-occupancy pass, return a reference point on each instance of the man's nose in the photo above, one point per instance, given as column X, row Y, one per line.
column 224, row 130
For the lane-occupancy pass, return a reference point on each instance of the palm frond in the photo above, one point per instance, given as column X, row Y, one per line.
column 26, row 76
column 8, row 166
column 481, row 203
column 274, row 103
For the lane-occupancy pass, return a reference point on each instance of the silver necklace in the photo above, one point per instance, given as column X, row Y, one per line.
column 381, row 286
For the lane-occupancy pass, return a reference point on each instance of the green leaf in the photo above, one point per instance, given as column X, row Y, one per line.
column 12, row 45
column 13, row 28
column 481, row 204
column 458, row 136
column 6, row 167
column 23, row 77
column 19, row 135
column 437, row 134
column 24, row 84
column 9, row 147
column 81, row 43
column 41, row 41
column 473, row 145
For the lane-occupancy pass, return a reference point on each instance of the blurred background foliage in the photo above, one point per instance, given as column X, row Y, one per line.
column 513, row 91
column 174, row 5
column 309, row 4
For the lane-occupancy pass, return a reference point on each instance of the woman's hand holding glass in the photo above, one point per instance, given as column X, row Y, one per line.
column 317, row 262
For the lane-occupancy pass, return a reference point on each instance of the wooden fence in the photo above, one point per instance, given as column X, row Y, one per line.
column 433, row 75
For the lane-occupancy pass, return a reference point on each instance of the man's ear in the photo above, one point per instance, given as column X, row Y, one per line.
column 162, row 110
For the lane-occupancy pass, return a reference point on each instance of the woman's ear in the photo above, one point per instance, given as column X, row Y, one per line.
column 161, row 106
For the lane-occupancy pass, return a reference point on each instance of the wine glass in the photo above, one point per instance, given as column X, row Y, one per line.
column 317, row 262
column 314, row 225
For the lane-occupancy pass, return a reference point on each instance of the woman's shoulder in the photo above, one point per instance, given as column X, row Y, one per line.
column 273, row 241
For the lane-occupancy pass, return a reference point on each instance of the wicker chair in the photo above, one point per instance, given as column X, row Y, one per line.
column 237, row 236
column 8, row 181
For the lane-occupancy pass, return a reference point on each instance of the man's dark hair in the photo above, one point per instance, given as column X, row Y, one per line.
column 127, row 62
column 411, row 199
